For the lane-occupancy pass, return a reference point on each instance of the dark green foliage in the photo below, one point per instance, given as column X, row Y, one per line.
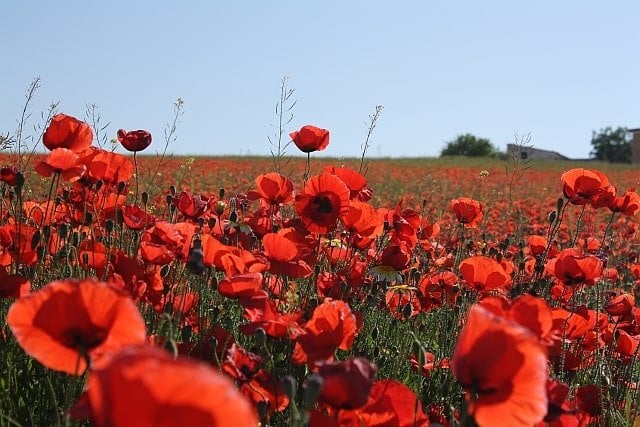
column 611, row 145
column 469, row 145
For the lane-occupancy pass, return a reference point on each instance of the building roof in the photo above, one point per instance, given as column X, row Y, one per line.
column 633, row 130
column 532, row 149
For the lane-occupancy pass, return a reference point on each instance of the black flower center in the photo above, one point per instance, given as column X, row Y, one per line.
column 323, row 204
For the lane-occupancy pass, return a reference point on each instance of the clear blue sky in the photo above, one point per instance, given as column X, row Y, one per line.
column 555, row 69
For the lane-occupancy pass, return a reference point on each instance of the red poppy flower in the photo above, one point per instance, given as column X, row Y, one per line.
column 404, row 224
column 396, row 256
column 92, row 254
column 504, row 370
column 240, row 285
column 68, row 320
column 262, row 312
column 136, row 218
column 331, row 326
column 273, row 188
column 390, row 404
column 484, row 273
column 14, row 286
column 356, row 183
column 440, row 288
column 284, row 256
column 526, row 310
column 325, row 199
column 310, row 138
column 628, row 203
column 626, row 344
column 146, row 387
column 255, row 383
column 191, row 206
column 467, row 211
column 135, row 140
column 620, row 305
column 8, row 175
column 582, row 186
column 364, row 223
column 62, row 161
column 573, row 267
column 108, row 166
column 156, row 253
column 346, row 384
column 67, row 132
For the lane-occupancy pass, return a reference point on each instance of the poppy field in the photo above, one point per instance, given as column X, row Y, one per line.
column 142, row 290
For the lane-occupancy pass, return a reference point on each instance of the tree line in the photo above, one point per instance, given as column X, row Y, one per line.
column 608, row 144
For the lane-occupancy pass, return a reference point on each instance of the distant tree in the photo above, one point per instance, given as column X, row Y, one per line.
column 611, row 145
column 469, row 145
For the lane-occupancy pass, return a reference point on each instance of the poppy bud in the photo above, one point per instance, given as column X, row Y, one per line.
column 212, row 222
column 290, row 386
column 121, row 186
column 40, row 252
column 215, row 312
column 418, row 352
column 144, row 196
column 171, row 347
column 35, row 239
column 186, row 333
column 552, row 217
column 407, row 310
column 220, row 207
column 63, row 230
column 19, row 180
column 262, row 408
column 559, row 203
column 172, row 190
column 260, row 337
column 109, row 225
column 164, row 271
column 221, row 193
column 376, row 352
column 312, row 387
column 46, row 232
column 375, row 332
column 65, row 195
column 233, row 217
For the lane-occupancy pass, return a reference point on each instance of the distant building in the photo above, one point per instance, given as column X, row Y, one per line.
column 530, row 153
column 635, row 145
